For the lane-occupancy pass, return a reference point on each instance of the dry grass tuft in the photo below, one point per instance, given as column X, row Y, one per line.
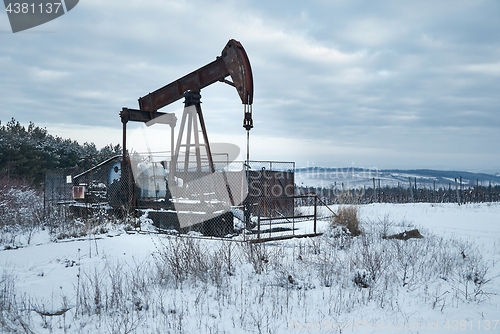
column 347, row 216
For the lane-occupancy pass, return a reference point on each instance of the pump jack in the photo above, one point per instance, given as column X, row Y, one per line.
column 191, row 198
column 233, row 62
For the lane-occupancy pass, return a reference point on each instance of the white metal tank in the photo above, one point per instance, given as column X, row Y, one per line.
column 151, row 180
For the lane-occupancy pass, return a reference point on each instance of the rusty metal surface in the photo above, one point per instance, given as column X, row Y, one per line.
column 233, row 62
column 135, row 115
column 239, row 68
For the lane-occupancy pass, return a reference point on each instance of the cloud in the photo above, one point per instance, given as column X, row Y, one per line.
column 44, row 75
column 347, row 78
column 488, row 69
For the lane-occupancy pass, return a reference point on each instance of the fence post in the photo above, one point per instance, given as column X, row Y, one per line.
column 258, row 226
column 411, row 189
column 434, row 193
column 477, row 190
column 449, row 193
column 379, row 192
column 374, row 190
column 315, row 212
column 458, row 193
column 489, row 191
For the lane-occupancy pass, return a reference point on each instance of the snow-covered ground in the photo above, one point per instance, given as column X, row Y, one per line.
column 447, row 282
column 357, row 177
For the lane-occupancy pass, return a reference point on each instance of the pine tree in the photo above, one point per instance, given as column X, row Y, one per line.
column 28, row 153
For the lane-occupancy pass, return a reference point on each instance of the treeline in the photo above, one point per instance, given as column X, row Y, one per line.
column 366, row 195
column 27, row 153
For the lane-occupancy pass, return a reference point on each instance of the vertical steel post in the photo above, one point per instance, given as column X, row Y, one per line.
column 258, row 226
column 124, row 117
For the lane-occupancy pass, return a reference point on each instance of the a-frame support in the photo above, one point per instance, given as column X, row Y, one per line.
column 194, row 117
column 192, row 114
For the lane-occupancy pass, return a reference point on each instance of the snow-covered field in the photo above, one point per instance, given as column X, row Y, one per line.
column 447, row 282
column 356, row 178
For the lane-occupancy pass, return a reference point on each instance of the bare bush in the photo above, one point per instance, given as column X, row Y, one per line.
column 348, row 217
column 119, row 293
column 21, row 211
column 180, row 259
column 197, row 285
column 369, row 257
column 14, row 317
column 258, row 255
column 80, row 227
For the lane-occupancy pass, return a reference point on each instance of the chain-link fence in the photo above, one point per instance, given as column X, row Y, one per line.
column 76, row 201
column 250, row 199
column 219, row 198
column 271, row 206
column 57, row 197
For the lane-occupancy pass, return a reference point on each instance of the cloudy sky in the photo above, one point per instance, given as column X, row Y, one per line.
column 386, row 84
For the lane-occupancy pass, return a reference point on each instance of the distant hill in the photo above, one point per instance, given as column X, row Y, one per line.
column 355, row 177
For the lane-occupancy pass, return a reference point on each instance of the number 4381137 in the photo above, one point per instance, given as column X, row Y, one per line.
column 31, row 8
column 480, row 325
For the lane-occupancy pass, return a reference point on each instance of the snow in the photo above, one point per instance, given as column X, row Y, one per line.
column 356, row 177
column 281, row 287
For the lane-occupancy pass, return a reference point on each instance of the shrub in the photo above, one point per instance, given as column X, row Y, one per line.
column 21, row 210
column 347, row 216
